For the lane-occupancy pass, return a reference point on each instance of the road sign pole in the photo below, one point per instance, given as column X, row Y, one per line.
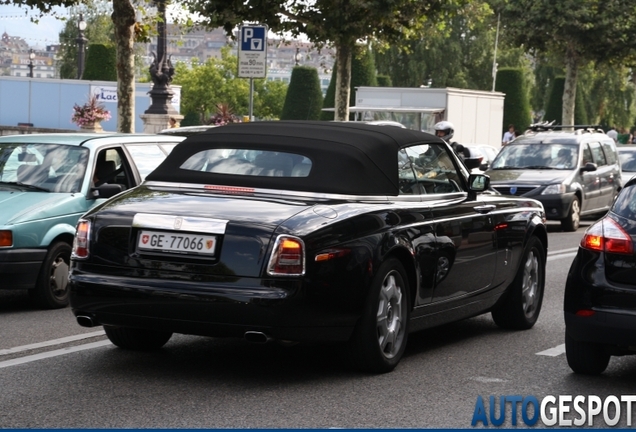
column 251, row 99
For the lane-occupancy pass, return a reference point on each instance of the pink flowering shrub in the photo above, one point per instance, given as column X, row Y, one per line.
column 89, row 113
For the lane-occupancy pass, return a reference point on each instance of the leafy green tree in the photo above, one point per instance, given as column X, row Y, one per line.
column 338, row 22
column 304, row 96
column 205, row 85
column 384, row 81
column 100, row 63
column 576, row 31
column 554, row 108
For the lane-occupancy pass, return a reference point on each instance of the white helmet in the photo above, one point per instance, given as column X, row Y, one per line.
column 448, row 129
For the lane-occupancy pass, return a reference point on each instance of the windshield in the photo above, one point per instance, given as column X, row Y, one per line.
column 628, row 160
column 537, row 156
column 43, row 167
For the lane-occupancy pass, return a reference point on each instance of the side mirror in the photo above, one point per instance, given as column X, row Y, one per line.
column 477, row 183
column 589, row 167
column 106, row 190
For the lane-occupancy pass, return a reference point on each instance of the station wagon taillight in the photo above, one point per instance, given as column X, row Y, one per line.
column 607, row 236
column 80, row 242
column 288, row 257
column 6, row 238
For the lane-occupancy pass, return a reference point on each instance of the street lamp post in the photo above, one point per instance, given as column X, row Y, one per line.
column 161, row 69
column 31, row 57
column 81, row 43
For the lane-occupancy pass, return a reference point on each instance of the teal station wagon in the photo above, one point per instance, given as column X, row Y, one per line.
column 47, row 181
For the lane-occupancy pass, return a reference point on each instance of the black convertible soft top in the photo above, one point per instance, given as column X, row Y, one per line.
column 348, row 158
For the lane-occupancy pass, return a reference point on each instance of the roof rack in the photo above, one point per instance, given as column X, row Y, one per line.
column 550, row 126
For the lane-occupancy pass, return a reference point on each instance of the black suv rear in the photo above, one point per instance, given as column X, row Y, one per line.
column 572, row 172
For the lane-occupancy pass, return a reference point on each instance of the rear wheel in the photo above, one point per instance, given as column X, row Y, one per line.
column 584, row 357
column 572, row 221
column 51, row 290
column 379, row 339
column 137, row 339
column 521, row 307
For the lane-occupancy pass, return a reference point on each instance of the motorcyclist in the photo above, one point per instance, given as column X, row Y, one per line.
column 445, row 131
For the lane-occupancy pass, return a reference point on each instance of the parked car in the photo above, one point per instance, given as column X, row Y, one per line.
column 627, row 157
column 600, row 290
column 247, row 231
column 47, row 181
column 573, row 173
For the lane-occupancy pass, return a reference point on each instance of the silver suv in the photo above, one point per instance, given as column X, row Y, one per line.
column 572, row 172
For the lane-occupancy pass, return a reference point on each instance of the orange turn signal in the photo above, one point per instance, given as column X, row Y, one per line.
column 6, row 238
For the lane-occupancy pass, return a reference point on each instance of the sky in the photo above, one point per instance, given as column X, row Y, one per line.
column 16, row 22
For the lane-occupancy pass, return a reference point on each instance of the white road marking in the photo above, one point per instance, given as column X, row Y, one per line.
column 51, row 342
column 488, row 380
column 553, row 352
column 561, row 251
column 54, row 353
column 561, row 256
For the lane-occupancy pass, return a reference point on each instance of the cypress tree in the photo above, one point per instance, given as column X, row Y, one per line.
column 101, row 63
column 304, row 96
column 384, row 81
column 511, row 81
column 554, row 109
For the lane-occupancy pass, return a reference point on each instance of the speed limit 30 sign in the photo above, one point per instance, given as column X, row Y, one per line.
column 252, row 52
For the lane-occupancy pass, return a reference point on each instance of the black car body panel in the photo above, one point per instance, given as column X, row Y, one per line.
column 460, row 251
column 600, row 291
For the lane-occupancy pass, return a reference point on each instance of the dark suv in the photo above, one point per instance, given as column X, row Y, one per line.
column 572, row 172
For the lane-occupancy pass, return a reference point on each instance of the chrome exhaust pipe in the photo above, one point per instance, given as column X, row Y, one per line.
column 256, row 337
column 86, row 321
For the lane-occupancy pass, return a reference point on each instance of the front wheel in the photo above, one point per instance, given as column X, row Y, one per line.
column 51, row 289
column 380, row 336
column 137, row 339
column 573, row 219
column 584, row 357
column 520, row 309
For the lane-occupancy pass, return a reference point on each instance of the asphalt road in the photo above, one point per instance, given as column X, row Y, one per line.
column 55, row 374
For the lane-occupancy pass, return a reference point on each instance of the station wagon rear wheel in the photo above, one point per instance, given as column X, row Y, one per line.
column 379, row 339
column 137, row 339
column 520, row 308
column 573, row 219
column 51, row 290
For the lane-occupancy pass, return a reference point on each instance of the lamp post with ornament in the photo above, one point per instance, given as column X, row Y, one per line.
column 81, row 43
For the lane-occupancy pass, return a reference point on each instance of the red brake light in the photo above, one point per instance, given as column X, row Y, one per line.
column 607, row 236
column 288, row 257
column 80, row 242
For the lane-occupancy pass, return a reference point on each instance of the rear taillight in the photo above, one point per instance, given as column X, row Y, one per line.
column 288, row 257
column 6, row 238
column 607, row 236
column 82, row 237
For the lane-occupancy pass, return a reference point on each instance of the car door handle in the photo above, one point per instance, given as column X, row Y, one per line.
column 485, row 208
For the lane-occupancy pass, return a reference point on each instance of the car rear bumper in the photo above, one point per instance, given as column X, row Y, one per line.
column 19, row 268
column 604, row 327
column 285, row 310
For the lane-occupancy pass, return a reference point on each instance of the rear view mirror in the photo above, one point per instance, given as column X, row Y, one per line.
column 26, row 157
column 478, row 182
column 589, row 167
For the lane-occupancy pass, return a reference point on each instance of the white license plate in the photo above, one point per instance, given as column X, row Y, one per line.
column 176, row 242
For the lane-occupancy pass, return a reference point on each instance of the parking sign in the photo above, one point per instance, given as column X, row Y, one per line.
column 252, row 52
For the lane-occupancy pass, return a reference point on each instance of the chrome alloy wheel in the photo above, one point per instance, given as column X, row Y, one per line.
column 576, row 213
column 390, row 316
column 58, row 280
column 530, row 284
